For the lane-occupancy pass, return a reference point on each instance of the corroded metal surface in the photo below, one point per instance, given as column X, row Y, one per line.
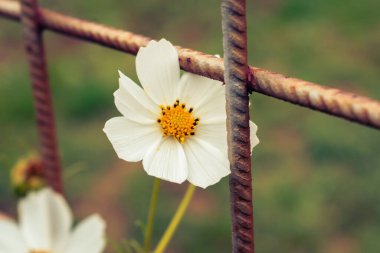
column 10, row 9
column 41, row 92
column 332, row 101
column 237, row 106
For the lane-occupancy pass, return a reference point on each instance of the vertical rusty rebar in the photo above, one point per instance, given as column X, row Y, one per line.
column 41, row 92
column 237, row 106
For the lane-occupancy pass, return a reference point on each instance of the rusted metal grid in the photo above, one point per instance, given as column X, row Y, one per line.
column 332, row 101
column 237, row 105
column 42, row 95
column 240, row 79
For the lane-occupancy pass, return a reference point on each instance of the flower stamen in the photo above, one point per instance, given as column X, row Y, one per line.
column 177, row 121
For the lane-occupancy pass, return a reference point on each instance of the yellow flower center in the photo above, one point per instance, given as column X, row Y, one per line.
column 177, row 121
column 39, row 251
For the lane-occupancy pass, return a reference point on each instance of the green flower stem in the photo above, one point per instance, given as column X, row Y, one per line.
column 152, row 211
column 175, row 220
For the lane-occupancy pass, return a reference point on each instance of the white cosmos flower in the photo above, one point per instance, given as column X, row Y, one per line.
column 45, row 222
column 175, row 125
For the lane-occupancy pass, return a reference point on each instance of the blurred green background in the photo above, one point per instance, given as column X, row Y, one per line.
column 316, row 178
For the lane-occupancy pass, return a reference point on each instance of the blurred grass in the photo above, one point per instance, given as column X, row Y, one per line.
column 315, row 177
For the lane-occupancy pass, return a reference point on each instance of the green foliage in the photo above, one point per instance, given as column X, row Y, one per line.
column 126, row 246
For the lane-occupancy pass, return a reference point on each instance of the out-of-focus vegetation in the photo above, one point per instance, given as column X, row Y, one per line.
column 316, row 178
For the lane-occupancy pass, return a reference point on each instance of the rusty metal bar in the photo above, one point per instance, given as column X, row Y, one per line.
column 237, row 106
column 41, row 92
column 332, row 101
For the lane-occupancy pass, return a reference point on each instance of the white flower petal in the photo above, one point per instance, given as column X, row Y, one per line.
column 206, row 163
column 213, row 110
column 132, row 140
column 33, row 222
column 45, row 219
column 133, row 103
column 157, row 67
column 196, row 90
column 214, row 134
column 60, row 219
column 253, row 138
column 88, row 236
column 206, row 96
column 166, row 161
column 11, row 240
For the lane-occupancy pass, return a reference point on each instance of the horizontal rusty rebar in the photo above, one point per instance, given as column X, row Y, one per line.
column 332, row 101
